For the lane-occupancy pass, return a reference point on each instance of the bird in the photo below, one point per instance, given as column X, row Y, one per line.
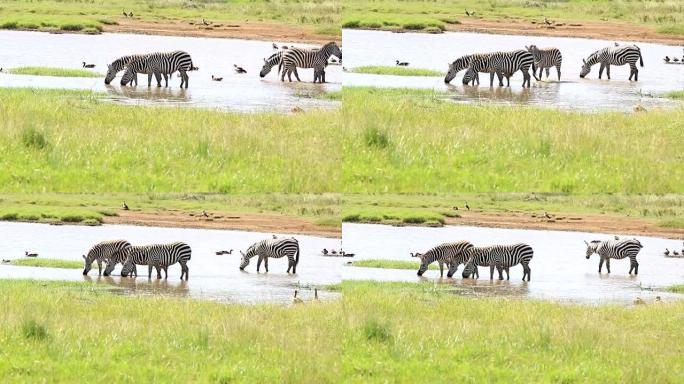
column 285, row 47
column 125, row 206
column 617, row 238
column 467, row 13
column 667, row 59
column 616, row 44
column 344, row 69
column 275, row 237
column 88, row 65
column 239, row 69
column 658, row 299
column 297, row 300
column 275, row 46
column 30, row 254
column 639, row 301
column 667, row 252
column 0, row 69
column 229, row 252
column 125, row 14
column 315, row 294
column 547, row 21
column 216, row 78
column 676, row 60
column 402, row 63
column 455, row 208
column 467, row 206
column 675, row 253
column 546, row 214
column 205, row 22
column 130, row 14
column 5, row 261
column 325, row 251
column 205, row 214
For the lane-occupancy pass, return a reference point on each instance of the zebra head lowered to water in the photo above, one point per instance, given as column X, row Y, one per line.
column 275, row 248
column 501, row 257
column 161, row 63
column 620, row 55
column 273, row 60
column 105, row 251
column 119, row 64
column 457, row 66
column 453, row 254
column 615, row 249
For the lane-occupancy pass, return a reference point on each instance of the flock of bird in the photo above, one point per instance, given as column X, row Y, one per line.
column 674, row 252
column 667, row 59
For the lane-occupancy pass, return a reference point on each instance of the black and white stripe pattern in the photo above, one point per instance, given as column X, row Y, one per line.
column 305, row 58
column 115, row 259
column 160, row 63
column 501, row 257
column 104, row 252
column 159, row 256
column 504, row 64
column 272, row 61
column 451, row 254
column 119, row 64
column 615, row 249
column 545, row 58
column 620, row 55
column 471, row 75
column 275, row 248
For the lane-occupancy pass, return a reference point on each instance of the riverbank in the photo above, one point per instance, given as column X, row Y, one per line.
column 325, row 341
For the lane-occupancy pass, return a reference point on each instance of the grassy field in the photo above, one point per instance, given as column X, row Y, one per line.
column 322, row 16
column 320, row 209
column 47, row 71
column 410, row 141
column 374, row 333
column 69, row 141
column 47, row 263
column 676, row 95
column 392, row 264
column 677, row 288
column 434, row 208
column 396, row 71
column 665, row 16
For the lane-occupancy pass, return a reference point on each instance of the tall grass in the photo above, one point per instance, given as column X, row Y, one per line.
column 390, row 264
column 399, row 140
column 375, row 333
column 48, row 71
column 47, row 263
column 396, row 71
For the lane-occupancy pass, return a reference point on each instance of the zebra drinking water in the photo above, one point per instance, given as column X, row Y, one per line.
column 160, row 63
column 272, row 61
column 275, row 248
column 450, row 253
column 119, row 64
column 546, row 58
column 620, row 55
column 305, row 58
column 159, row 256
column 501, row 257
column 463, row 62
column 104, row 252
column 504, row 64
column 615, row 249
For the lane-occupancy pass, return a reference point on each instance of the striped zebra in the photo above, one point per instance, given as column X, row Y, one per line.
column 275, row 248
column 615, row 249
column 501, row 257
column 451, row 254
column 546, row 58
column 272, row 61
column 620, row 55
column 119, row 64
column 160, row 63
column 114, row 260
column 462, row 63
column 309, row 58
column 159, row 256
column 104, row 252
column 503, row 64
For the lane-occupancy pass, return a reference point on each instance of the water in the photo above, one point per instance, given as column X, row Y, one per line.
column 590, row 94
column 559, row 268
column 213, row 56
column 211, row 277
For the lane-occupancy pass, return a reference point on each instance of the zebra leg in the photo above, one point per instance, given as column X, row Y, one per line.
column 149, row 80
column 149, row 271
column 266, row 263
column 99, row 267
column 508, row 273
column 608, row 71
column 491, row 272
column 526, row 79
column 600, row 264
column 548, row 71
column 499, row 269
column 508, row 81
column 608, row 264
column 158, row 268
column 601, row 70
column 295, row 73
column 157, row 76
column 166, row 272
column 476, row 273
column 558, row 70
column 259, row 262
column 323, row 73
column 134, row 79
column 636, row 266
column 166, row 80
column 441, row 268
column 187, row 78
column 526, row 271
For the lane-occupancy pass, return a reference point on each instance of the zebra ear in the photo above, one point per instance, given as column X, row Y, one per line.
column 264, row 59
column 526, row 47
column 584, row 61
column 585, row 242
column 242, row 253
column 83, row 257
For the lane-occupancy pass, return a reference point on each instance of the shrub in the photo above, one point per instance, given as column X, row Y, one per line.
column 33, row 138
column 34, row 330
column 351, row 24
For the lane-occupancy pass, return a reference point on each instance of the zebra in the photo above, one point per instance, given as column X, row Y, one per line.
column 620, row 55
column 161, row 63
column 117, row 258
column 546, row 58
column 450, row 253
column 304, row 58
column 500, row 256
column 615, row 249
column 272, row 61
column 462, row 63
column 159, row 256
column 103, row 252
column 119, row 64
column 504, row 64
column 275, row 248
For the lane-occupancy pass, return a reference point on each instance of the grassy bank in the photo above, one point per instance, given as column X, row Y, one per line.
column 677, row 288
column 319, row 209
column 679, row 95
column 47, row 263
column 75, row 15
column 400, row 140
column 391, row 264
column 375, row 333
column 664, row 16
column 69, row 141
column 396, row 71
column 48, row 71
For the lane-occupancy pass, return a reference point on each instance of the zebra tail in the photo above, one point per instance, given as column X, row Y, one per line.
column 297, row 257
column 641, row 60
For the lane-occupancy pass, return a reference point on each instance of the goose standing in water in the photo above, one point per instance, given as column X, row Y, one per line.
column 402, row 63
column 30, row 254
column 216, row 78
column 297, row 300
column 667, row 59
column 667, row 252
column 88, row 65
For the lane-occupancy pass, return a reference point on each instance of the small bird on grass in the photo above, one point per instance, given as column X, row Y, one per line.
column 130, row 14
column 297, row 300
column 88, row 65
column 5, row 261
column 547, row 21
column 275, row 237
column 546, row 214
column 205, row 214
column 402, row 63
column 325, row 251
column 205, row 22
column 30, row 254
column 667, row 59
column 467, row 206
column 125, row 206
column 675, row 253
column 639, row 301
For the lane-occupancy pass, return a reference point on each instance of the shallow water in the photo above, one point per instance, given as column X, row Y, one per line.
column 559, row 269
column 213, row 56
column 211, row 277
column 436, row 51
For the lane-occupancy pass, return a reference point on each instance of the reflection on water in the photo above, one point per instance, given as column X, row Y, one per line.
column 243, row 92
column 436, row 51
column 211, row 277
column 560, row 270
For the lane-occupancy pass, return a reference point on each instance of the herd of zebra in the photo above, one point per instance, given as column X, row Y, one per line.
column 166, row 63
column 161, row 256
column 506, row 63
column 502, row 257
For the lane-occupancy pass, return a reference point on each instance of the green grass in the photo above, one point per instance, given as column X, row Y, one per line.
column 68, row 141
column 665, row 16
column 409, row 141
column 47, row 263
column 320, row 16
column 48, row 71
column 321, row 209
column 396, row 71
column 676, row 288
column 679, row 95
column 374, row 333
column 391, row 264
